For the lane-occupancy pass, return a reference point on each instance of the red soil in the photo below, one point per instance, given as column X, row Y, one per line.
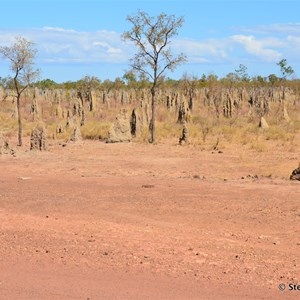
column 129, row 221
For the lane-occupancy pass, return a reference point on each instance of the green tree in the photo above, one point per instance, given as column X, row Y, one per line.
column 260, row 79
column 286, row 71
column 242, row 73
column 119, row 83
column 152, row 36
column 46, row 84
column 88, row 83
column 232, row 79
column 212, row 78
column 203, row 78
column 273, row 79
column 21, row 55
column 130, row 79
column 7, row 83
column 107, row 85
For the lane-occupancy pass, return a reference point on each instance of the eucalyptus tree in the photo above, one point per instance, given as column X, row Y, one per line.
column 286, row 71
column 152, row 37
column 242, row 73
column 21, row 55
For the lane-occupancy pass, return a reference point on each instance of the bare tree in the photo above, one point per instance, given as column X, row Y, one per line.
column 152, row 37
column 21, row 55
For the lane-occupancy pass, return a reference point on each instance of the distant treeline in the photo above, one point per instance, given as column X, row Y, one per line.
column 129, row 81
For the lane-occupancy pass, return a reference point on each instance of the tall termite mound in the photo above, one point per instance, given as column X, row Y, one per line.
column 38, row 139
column 184, row 138
column 120, row 131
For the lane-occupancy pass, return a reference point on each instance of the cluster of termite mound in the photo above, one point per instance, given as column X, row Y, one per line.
column 71, row 109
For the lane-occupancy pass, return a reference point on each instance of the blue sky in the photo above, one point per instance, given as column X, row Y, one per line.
column 75, row 38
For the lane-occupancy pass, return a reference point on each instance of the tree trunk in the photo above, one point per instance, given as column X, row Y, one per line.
column 19, row 121
column 153, row 115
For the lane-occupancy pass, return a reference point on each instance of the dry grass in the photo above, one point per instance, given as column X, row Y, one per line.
column 95, row 130
column 205, row 129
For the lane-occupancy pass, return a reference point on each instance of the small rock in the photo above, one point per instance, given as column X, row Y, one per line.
column 147, row 186
column 24, row 178
column 201, row 261
column 198, row 177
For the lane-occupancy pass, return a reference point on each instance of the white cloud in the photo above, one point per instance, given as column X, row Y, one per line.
column 225, row 49
column 294, row 40
column 59, row 45
column 109, row 48
column 113, row 50
column 58, row 29
column 260, row 47
column 55, row 48
column 62, row 46
column 205, row 51
column 287, row 28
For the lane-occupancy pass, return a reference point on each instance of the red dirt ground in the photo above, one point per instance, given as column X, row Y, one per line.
column 130, row 221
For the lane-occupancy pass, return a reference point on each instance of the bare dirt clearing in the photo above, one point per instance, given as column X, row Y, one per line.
column 130, row 221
